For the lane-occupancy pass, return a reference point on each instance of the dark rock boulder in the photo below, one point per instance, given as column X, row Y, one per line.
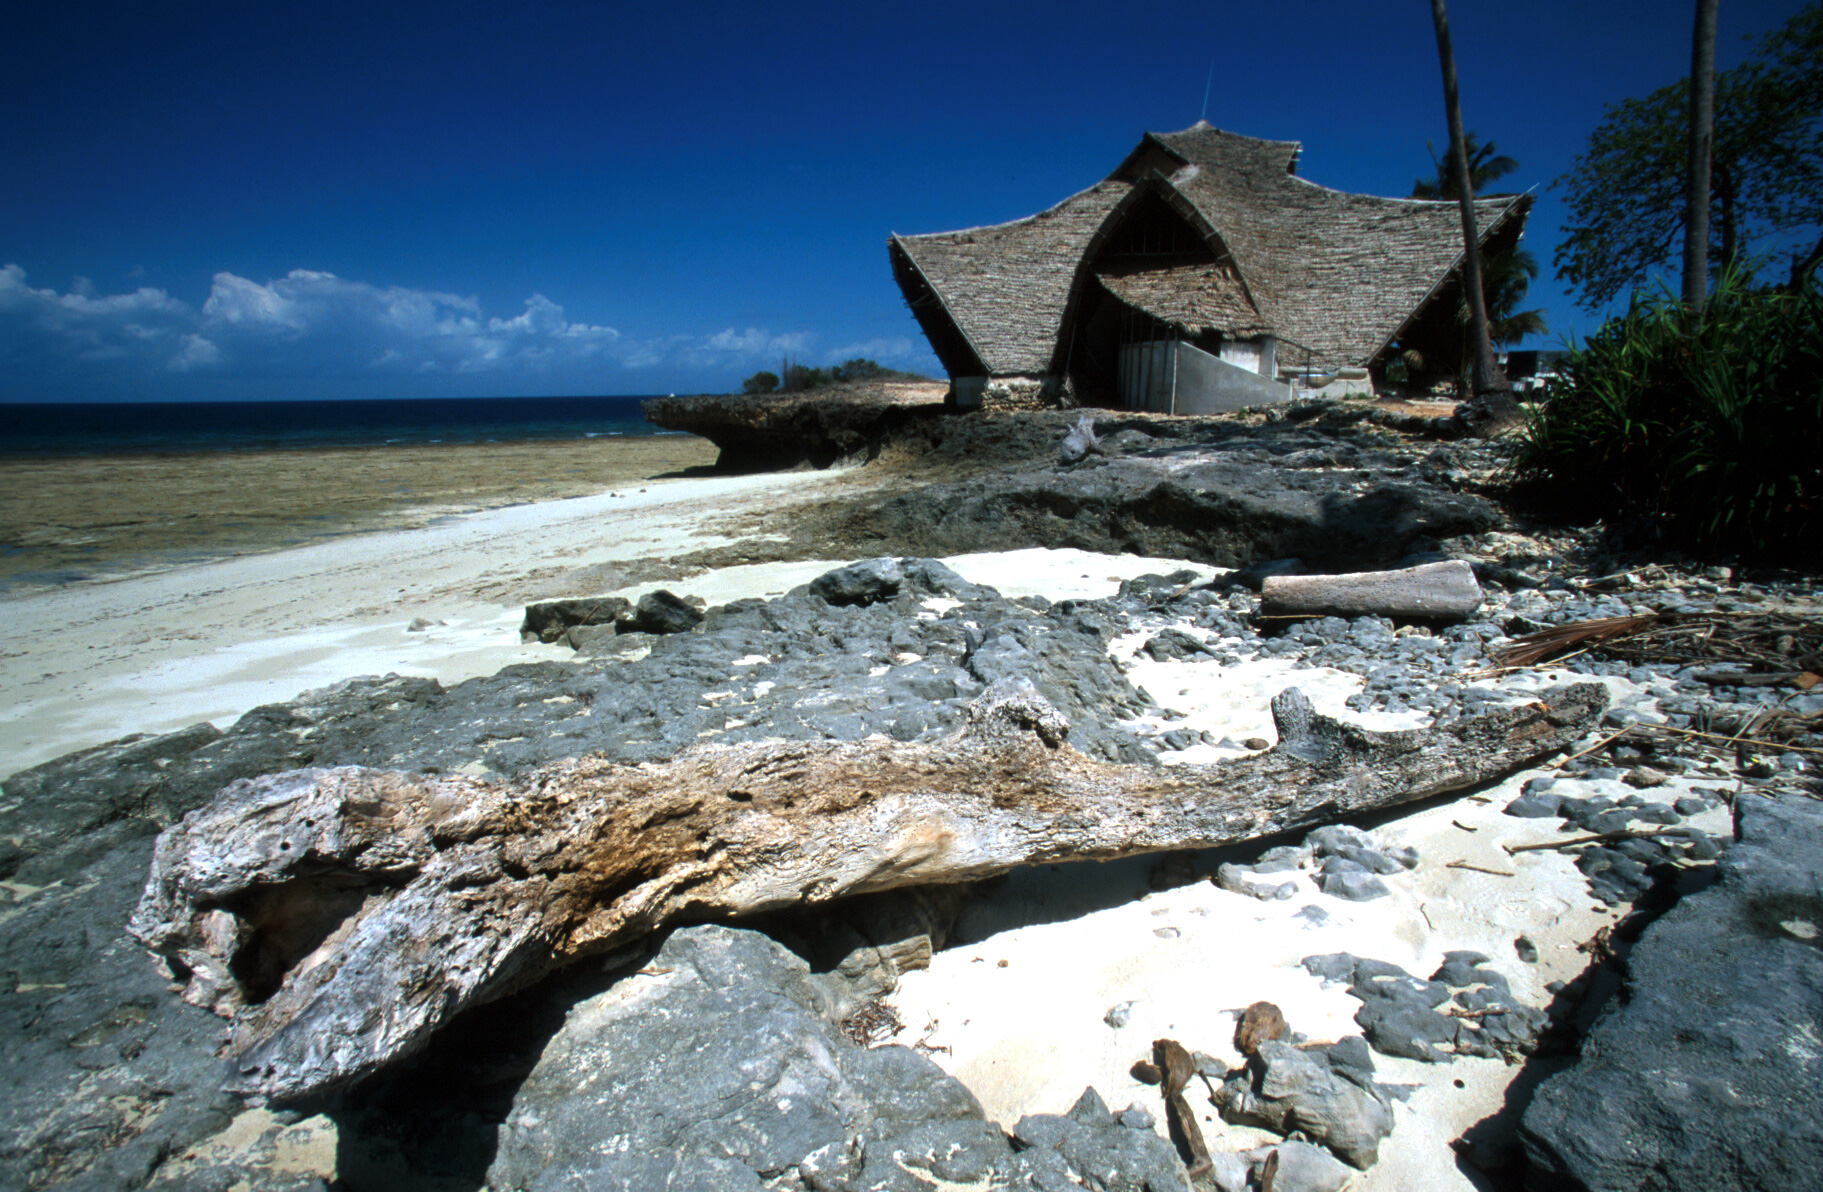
column 1708, row 1072
column 548, row 621
column 860, row 583
column 717, row 1066
column 662, row 611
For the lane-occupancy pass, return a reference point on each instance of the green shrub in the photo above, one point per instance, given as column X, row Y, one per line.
column 799, row 378
column 1709, row 430
column 760, row 382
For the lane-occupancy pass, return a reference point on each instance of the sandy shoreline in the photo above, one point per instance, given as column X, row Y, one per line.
column 89, row 663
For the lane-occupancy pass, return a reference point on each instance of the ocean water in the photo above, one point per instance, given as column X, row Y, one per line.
column 105, row 428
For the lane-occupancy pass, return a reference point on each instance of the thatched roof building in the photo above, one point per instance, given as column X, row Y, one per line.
column 1200, row 239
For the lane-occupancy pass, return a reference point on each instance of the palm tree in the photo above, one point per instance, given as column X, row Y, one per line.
column 1486, row 164
column 1489, row 383
column 1701, row 144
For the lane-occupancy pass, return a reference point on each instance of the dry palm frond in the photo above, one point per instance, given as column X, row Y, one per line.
column 1764, row 643
column 1534, row 648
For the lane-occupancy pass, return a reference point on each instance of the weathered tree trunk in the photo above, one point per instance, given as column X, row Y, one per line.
column 1701, row 140
column 340, row 916
column 1487, row 375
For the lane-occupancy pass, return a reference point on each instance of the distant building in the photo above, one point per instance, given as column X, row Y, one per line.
column 1203, row 274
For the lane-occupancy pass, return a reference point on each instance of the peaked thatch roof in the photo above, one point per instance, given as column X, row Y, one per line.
column 1006, row 285
column 1338, row 273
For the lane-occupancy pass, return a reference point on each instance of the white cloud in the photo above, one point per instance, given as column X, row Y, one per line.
column 313, row 329
column 43, row 326
column 755, row 342
column 197, row 352
column 316, row 320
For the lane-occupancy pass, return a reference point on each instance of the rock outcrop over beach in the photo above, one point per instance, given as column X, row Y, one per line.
column 820, row 427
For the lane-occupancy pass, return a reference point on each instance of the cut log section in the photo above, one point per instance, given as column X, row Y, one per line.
column 1432, row 592
column 340, row 916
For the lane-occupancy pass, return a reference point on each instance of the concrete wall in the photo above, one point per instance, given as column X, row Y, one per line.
column 1171, row 377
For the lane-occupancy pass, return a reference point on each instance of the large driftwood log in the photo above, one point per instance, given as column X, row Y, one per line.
column 340, row 916
column 1433, row 591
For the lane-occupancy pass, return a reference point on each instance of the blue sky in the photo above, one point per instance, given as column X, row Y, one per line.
column 233, row 201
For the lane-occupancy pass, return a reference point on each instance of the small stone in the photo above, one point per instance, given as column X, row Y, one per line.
column 1354, row 887
column 1331, row 966
column 1279, row 860
column 1535, row 806
column 1301, row 1167
column 1644, row 777
column 1135, row 1117
column 1120, row 1015
column 1257, row 743
column 1526, row 950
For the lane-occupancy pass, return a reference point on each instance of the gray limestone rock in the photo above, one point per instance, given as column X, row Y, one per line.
column 116, row 1073
column 716, row 1065
column 1080, row 442
column 1227, row 505
column 1706, row 1074
column 1101, row 1151
column 1356, row 886
column 1175, row 644
column 1285, row 1088
column 1542, row 805
column 1400, row 1015
column 1302, row 1168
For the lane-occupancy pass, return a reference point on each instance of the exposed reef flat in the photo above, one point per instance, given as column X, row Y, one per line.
column 72, row 518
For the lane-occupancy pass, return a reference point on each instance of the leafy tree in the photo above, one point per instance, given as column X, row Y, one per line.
column 1626, row 192
column 761, row 382
column 1486, row 164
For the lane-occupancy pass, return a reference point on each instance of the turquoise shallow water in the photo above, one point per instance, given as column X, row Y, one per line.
column 101, row 428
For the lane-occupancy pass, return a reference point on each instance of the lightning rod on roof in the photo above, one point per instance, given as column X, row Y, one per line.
column 1207, row 83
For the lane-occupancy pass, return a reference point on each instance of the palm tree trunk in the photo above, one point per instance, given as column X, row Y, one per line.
column 1702, row 136
column 1487, row 375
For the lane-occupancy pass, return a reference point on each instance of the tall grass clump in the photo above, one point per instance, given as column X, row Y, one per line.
column 1703, row 431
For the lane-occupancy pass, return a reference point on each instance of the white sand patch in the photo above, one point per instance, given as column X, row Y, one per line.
column 1078, row 940
column 1065, row 574
column 1015, row 1008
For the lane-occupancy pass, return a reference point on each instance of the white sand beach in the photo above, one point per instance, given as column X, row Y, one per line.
column 90, row 663
column 1016, row 1009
